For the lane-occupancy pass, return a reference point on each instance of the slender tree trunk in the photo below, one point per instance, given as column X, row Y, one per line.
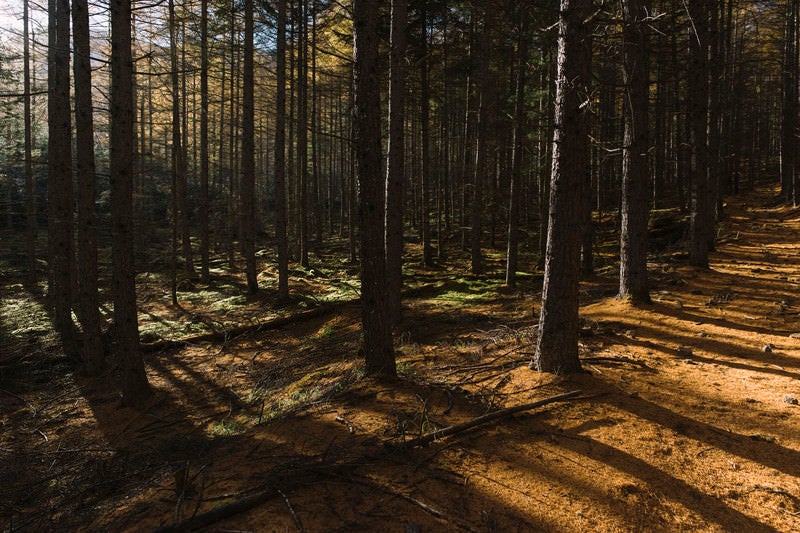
column 789, row 124
column 59, row 179
column 395, row 166
column 545, row 151
column 516, row 157
column 281, row 215
column 557, row 346
column 178, row 154
column 633, row 282
column 702, row 221
column 482, row 143
column 376, row 320
column 205, row 275
column 247, row 187
column 302, row 130
column 135, row 388
column 31, row 225
column 85, row 165
column 425, row 175
column 319, row 222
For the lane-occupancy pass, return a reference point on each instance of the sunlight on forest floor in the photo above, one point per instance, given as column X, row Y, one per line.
column 688, row 418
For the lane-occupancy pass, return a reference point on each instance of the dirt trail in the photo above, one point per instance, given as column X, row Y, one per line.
column 688, row 421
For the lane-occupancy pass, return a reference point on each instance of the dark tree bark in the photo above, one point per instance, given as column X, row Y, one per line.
column 281, row 214
column 790, row 103
column 248, row 179
column 135, row 388
column 59, row 174
column 205, row 275
column 635, row 211
column 557, row 346
column 181, row 213
column 546, row 107
column 93, row 359
column 482, row 143
column 31, row 225
column 302, row 131
column 516, row 158
column 395, row 165
column 376, row 321
column 425, row 174
column 702, row 215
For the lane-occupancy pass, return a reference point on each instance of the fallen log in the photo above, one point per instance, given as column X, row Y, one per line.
column 437, row 434
column 275, row 323
column 227, row 334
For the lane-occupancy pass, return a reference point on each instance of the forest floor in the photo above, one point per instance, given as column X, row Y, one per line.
column 687, row 419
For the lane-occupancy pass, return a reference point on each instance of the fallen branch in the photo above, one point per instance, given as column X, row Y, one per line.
column 221, row 513
column 240, row 330
column 482, row 420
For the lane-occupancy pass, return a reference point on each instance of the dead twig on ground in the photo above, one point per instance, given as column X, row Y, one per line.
column 296, row 519
column 482, row 420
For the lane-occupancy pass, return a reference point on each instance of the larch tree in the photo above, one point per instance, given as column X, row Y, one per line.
column 426, row 175
column 633, row 281
column 512, row 251
column 31, row 225
column 377, row 345
column 482, row 141
column 93, row 356
column 395, row 161
column 248, row 178
column 557, row 345
column 281, row 215
column 180, row 210
column 135, row 388
column 59, row 174
column 701, row 228
column 789, row 122
column 205, row 275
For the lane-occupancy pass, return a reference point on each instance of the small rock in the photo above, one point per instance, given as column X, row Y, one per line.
column 685, row 351
column 767, row 348
column 795, row 336
column 688, row 361
column 791, row 400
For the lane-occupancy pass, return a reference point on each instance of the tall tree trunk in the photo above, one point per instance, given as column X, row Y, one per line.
column 545, row 149
column 178, row 155
column 205, row 275
column 395, row 164
column 85, row 165
column 281, row 215
column 247, row 187
column 425, row 174
column 135, row 388
column 702, row 220
column 376, row 320
column 516, row 157
column 557, row 346
column 789, row 124
column 635, row 197
column 59, row 174
column 482, row 143
column 302, row 130
column 31, row 225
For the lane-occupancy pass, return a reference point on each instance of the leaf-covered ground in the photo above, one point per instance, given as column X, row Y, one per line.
column 688, row 417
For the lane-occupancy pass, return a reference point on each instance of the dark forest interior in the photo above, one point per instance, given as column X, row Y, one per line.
column 418, row 265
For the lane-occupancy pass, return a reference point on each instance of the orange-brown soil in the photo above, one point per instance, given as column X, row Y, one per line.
column 687, row 421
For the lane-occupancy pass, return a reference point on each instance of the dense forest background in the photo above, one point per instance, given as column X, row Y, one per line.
column 189, row 171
